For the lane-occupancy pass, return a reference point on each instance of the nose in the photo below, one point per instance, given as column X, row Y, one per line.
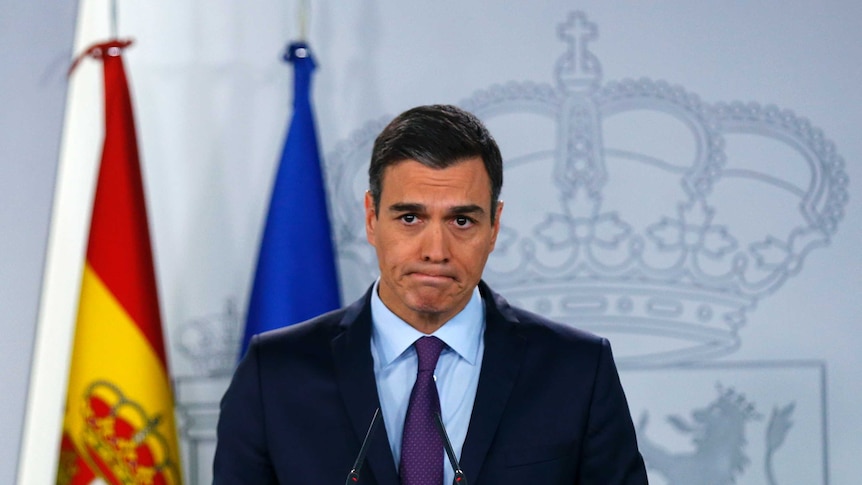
column 435, row 244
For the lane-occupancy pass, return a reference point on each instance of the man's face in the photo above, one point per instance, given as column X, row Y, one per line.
column 433, row 235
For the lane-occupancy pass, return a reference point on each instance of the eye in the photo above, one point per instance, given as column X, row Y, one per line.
column 409, row 219
column 463, row 221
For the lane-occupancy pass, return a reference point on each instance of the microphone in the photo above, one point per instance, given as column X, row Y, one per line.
column 353, row 476
column 460, row 478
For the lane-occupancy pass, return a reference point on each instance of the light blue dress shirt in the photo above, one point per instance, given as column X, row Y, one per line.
column 457, row 372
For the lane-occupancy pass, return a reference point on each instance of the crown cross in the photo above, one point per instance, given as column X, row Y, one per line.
column 578, row 70
column 579, row 74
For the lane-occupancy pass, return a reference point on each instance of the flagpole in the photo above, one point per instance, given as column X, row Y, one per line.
column 64, row 260
column 114, row 29
column 304, row 9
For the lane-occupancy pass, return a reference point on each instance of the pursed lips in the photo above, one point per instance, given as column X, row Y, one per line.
column 431, row 276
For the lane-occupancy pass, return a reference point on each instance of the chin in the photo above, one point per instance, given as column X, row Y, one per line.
column 429, row 307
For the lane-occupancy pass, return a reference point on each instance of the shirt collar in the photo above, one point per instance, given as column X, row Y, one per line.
column 462, row 333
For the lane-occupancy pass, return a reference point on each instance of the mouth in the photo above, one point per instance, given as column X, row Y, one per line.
column 431, row 277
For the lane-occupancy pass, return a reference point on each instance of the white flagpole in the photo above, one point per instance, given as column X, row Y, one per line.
column 80, row 151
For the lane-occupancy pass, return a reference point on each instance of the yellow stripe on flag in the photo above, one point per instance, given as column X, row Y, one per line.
column 120, row 408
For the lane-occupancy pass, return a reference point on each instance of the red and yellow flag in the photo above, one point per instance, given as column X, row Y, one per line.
column 119, row 423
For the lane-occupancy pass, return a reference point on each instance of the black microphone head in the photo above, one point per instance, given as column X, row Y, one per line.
column 460, row 479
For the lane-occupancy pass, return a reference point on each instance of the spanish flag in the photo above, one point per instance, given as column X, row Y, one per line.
column 119, row 422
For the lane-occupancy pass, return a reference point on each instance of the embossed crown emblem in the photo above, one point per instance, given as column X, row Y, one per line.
column 633, row 207
column 212, row 342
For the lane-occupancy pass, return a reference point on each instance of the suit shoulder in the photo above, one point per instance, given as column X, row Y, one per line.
column 559, row 341
column 318, row 329
column 535, row 326
column 533, row 323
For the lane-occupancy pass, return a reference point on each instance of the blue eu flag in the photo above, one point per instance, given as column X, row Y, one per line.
column 295, row 277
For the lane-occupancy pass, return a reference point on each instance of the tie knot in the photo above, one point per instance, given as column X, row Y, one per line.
column 428, row 349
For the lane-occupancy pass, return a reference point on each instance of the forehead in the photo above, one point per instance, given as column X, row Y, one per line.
column 409, row 178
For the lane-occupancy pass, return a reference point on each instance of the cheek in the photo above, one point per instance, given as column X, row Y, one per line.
column 473, row 256
column 392, row 250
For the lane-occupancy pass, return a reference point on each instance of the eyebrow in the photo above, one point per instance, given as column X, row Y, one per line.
column 458, row 209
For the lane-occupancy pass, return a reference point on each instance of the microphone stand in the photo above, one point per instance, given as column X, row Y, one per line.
column 460, row 478
column 353, row 476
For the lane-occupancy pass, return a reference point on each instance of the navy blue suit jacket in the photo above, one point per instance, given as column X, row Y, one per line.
column 549, row 408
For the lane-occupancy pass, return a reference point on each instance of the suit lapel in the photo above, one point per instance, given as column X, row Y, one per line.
column 355, row 370
column 504, row 352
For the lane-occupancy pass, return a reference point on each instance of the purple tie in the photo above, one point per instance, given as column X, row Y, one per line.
column 421, row 444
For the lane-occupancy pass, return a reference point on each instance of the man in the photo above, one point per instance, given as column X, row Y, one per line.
column 523, row 399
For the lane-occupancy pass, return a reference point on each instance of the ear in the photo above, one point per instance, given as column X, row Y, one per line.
column 370, row 218
column 496, row 229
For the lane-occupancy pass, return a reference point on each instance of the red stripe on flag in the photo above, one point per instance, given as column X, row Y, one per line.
column 119, row 248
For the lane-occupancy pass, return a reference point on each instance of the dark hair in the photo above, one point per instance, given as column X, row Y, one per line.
column 437, row 136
